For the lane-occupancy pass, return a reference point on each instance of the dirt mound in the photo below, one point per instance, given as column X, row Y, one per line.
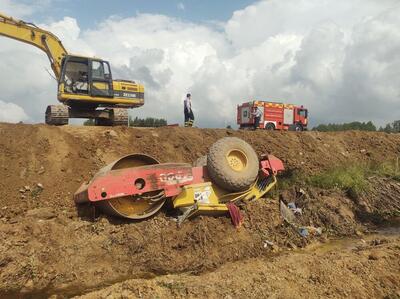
column 48, row 248
column 336, row 270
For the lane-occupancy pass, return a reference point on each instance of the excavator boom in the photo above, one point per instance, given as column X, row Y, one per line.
column 31, row 34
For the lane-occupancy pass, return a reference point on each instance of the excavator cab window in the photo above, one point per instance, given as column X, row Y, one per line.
column 75, row 75
column 101, row 79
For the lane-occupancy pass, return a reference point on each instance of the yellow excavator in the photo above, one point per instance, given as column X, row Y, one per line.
column 85, row 85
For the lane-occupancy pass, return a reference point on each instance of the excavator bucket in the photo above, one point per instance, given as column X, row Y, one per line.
column 132, row 206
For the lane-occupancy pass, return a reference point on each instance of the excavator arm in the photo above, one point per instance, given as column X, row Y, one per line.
column 31, row 34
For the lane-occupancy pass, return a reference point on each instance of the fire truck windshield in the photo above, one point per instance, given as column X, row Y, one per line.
column 302, row 113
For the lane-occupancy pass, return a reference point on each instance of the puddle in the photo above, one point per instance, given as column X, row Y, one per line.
column 352, row 243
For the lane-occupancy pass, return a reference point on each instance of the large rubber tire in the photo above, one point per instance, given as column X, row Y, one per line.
column 232, row 164
column 298, row 128
column 270, row 127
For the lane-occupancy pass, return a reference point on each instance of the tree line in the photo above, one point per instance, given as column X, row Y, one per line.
column 393, row 127
column 137, row 122
column 147, row 122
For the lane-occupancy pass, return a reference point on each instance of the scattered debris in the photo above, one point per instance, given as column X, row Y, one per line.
column 304, row 231
column 294, row 209
column 111, row 133
column 268, row 243
column 286, row 213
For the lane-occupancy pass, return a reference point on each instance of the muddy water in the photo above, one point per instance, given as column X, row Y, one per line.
column 352, row 243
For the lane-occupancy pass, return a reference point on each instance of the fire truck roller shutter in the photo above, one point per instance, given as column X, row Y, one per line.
column 288, row 116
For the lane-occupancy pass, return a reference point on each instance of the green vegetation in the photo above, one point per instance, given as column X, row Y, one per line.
column 393, row 127
column 355, row 125
column 147, row 122
column 388, row 169
column 351, row 179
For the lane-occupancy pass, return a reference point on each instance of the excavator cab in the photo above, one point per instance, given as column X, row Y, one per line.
column 85, row 76
column 100, row 79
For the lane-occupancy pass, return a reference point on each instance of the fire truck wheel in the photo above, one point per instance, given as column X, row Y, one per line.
column 270, row 126
column 298, row 128
column 202, row 161
column 232, row 164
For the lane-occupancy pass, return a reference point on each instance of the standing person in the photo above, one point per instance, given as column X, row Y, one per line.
column 187, row 109
column 257, row 113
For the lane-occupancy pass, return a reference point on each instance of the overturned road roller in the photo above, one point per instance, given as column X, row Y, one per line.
column 137, row 186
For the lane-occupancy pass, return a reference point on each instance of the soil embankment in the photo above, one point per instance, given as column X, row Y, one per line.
column 48, row 249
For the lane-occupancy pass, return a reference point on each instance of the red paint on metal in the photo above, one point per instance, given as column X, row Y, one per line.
column 168, row 177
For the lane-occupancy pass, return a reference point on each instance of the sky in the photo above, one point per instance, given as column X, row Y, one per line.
column 338, row 58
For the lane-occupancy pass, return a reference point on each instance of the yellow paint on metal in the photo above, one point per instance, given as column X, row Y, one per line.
column 134, row 208
column 278, row 105
column 208, row 198
column 237, row 160
column 130, row 206
column 101, row 85
column 129, row 102
column 42, row 39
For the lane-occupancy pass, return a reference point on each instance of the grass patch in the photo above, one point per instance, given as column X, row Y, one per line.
column 351, row 179
column 388, row 169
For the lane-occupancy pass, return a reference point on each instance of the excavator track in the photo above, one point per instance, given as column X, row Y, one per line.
column 119, row 117
column 57, row 115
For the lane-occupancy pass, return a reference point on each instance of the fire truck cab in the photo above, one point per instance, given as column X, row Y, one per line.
column 275, row 116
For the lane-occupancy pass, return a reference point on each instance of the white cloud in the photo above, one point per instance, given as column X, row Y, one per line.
column 19, row 9
column 10, row 112
column 181, row 6
column 339, row 58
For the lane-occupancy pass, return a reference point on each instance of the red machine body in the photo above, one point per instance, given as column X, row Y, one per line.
column 275, row 116
column 168, row 178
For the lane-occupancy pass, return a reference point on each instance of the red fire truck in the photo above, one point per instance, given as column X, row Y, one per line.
column 275, row 116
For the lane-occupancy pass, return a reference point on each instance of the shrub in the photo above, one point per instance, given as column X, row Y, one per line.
column 352, row 179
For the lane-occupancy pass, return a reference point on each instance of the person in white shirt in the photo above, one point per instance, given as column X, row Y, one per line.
column 257, row 113
column 187, row 109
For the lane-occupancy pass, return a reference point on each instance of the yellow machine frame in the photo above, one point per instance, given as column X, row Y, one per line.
column 208, row 198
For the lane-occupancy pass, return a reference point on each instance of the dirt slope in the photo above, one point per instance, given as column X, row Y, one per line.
column 47, row 248
column 358, row 269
